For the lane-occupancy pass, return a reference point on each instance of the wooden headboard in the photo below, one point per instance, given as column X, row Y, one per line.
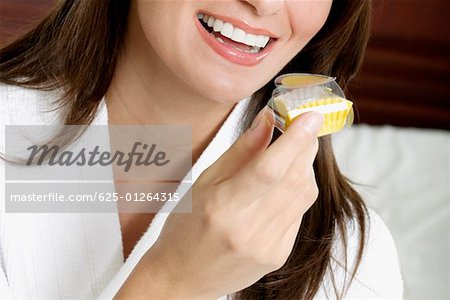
column 405, row 76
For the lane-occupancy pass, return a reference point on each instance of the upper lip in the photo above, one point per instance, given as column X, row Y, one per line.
column 241, row 24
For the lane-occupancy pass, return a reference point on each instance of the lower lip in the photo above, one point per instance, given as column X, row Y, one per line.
column 229, row 52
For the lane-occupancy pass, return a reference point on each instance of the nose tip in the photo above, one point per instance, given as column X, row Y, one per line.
column 265, row 7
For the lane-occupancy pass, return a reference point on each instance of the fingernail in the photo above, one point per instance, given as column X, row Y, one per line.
column 311, row 122
column 257, row 121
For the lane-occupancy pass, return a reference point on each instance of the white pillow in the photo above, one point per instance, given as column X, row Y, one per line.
column 404, row 174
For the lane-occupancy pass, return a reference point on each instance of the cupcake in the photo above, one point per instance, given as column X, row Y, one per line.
column 297, row 94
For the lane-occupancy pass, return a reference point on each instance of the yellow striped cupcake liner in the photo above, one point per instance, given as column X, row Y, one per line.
column 297, row 94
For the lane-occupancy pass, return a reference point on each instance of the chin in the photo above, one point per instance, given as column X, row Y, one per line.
column 226, row 97
column 226, row 92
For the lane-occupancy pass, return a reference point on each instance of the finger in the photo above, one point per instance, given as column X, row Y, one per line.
column 285, row 235
column 247, row 147
column 296, row 210
column 300, row 169
column 284, row 208
column 290, row 145
column 261, row 174
column 262, row 180
column 303, row 201
column 289, row 237
column 293, row 182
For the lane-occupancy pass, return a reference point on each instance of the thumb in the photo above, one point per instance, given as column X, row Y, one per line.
column 255, row 140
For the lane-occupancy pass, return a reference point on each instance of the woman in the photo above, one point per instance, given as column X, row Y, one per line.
column 261, row 226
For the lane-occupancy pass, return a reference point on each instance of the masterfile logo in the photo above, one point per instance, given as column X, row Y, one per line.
column 98, row 168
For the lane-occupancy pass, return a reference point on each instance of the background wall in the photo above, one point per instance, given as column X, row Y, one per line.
column 406, row 72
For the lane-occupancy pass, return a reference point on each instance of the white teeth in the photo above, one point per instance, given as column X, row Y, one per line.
column 239, row 36
column 234, row 33
column 262, row 40
column 250, row 39
column 227, row 30
column 266, row 40
column 211, row 21
column 218, row 25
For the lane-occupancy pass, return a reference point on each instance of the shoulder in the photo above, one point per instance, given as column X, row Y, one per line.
column 378, row 275
column 25, row 106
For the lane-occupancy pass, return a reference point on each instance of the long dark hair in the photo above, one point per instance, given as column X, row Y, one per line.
column 76, row 48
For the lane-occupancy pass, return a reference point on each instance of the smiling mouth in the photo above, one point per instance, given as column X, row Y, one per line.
column 228, row 34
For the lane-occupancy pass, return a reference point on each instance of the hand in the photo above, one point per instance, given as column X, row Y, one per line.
column 246, row 212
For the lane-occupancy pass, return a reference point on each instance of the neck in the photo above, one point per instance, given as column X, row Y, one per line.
column 144, row 91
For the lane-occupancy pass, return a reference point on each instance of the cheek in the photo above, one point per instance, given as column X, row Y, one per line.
column 307, row 18
column 156, row 19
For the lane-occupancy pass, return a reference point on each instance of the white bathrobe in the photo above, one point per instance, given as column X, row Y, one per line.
column 80, row 256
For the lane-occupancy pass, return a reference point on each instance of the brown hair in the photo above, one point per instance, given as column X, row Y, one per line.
column 59, row 53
